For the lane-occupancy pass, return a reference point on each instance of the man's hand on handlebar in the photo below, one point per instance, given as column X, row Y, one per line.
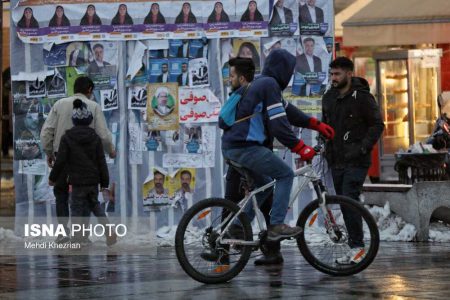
column 306, row 152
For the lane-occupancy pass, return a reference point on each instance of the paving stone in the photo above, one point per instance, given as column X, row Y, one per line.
column 407, row 270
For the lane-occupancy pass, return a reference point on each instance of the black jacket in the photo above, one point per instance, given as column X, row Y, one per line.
column 357, row 121
column 81, row 152
column 305, row 17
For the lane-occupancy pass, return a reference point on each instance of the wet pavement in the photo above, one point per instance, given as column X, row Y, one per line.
column 407, row 270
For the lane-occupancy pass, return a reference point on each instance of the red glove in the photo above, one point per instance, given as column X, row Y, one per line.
column 325, row 129
column 306, row 152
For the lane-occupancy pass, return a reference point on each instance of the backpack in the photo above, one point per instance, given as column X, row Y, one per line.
column 228, row 110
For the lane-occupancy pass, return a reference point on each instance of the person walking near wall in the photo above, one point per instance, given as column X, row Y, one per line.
column 355, row 116
column 58, row 121
column 81, row 157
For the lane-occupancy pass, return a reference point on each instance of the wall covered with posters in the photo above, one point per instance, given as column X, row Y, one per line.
column 161, row 76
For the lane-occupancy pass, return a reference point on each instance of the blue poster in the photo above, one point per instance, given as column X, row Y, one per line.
column 179, row 71
column 56, row 56
column 158, row 71
column 196, row 48
column 178, row 48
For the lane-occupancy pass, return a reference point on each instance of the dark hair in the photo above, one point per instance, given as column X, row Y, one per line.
column 95, row 18
column 186, row 172
column 244, row 66
column 309, row 39
column 223, row 15
column 83, row 85
column 342, row 62
column 191, row 17
column 98, row 46
column 159, row 18
column 255, row 54
column 116, row 20
column 54, row 20
column 33, row 22
column 246, row 16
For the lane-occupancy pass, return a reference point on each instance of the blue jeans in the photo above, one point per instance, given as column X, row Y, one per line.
column 265, row 166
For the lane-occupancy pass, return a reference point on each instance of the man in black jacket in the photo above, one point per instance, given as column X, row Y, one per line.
column 310, row 13
column 183, row 78
column 281, row 14
column 164, row 77
column 81, row 152
column 355, row 116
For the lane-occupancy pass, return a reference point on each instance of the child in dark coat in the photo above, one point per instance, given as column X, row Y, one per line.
column 81, row 152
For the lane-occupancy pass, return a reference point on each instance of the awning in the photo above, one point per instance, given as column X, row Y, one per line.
column 399, row 22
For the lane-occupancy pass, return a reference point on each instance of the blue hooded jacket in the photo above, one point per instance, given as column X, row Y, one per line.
column 272, row 115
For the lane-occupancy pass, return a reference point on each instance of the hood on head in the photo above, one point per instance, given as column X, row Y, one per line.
column 280, row 65
column 82, row 134
column 360, row 84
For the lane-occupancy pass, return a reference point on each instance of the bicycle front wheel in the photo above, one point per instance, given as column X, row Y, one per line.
column 348, row 246
column 197, row 245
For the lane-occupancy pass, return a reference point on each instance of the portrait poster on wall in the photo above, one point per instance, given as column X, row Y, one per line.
column 162, row 106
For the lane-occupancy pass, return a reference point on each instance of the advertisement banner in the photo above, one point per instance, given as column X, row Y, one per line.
column 42, row 21
column 198, row 105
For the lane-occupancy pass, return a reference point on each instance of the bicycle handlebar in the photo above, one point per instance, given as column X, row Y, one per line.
column 319, row 147
column 321, row 143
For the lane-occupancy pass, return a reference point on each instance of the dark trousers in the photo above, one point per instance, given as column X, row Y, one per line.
column 85, row 201
column 234, row 191
column 348, row 182
column 61, row 192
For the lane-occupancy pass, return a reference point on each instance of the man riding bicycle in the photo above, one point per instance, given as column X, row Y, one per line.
column 262, row 115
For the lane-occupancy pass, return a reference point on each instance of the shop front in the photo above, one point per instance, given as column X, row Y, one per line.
column 398, row 52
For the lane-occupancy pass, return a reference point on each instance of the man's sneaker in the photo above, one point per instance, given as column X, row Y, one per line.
column 270, row 259
column 282, row 231
column 354, row 256
column 60, row 239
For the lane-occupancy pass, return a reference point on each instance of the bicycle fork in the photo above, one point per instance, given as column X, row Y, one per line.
column 330, row 223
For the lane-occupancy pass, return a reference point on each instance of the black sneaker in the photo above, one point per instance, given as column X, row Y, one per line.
column 270, row 259
column 279, row 232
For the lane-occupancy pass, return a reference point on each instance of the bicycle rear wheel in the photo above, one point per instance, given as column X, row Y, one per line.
column 196, row 241
column 331, row 253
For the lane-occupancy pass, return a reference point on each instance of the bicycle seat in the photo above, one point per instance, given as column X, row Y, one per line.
column 245, row 173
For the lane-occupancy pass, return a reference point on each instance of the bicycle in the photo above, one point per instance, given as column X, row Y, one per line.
column 214, row 238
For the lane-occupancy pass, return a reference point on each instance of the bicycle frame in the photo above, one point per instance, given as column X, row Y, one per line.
column 307, row 174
